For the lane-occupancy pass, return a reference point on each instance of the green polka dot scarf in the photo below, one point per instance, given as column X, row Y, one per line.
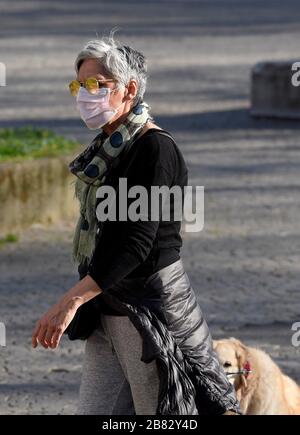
column 92, row 167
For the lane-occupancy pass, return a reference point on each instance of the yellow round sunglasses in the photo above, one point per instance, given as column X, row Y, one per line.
column 91, row 84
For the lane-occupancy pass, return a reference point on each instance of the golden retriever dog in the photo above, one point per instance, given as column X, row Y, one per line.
column 261, row 387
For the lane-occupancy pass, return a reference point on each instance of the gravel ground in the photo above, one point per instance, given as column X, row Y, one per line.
column 244, row 265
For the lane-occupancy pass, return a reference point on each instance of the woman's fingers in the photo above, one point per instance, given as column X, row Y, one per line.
column 42, row 334
column 50, row 328
column 35, row 333
column 57, row 336
column 47, row 340
column 62, row 323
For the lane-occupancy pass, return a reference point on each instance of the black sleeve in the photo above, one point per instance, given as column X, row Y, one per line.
column 124, row 245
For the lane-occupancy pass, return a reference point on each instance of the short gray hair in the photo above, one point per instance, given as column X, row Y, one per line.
column 121, row 62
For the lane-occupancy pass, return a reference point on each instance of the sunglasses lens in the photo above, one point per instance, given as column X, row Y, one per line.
column 91, row 85
column 74, row 87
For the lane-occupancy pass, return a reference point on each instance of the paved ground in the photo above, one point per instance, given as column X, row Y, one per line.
column 244, row 266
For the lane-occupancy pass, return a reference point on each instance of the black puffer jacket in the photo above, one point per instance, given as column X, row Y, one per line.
column 165, row 311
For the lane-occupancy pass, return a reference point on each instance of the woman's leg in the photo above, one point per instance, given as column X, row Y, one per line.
column 104, row 390
column 143, row 378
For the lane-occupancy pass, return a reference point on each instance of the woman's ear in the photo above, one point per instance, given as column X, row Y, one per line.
column 131, row 90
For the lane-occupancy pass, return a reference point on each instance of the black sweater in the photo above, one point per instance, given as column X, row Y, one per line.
column 128, row 249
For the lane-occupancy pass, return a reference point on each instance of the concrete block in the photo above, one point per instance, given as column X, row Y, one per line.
column 274, row 90
column 36, row 191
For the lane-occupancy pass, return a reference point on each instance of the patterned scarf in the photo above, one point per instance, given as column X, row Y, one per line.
column 92, row 167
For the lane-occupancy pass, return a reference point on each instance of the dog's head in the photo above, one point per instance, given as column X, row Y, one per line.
column 232, row 354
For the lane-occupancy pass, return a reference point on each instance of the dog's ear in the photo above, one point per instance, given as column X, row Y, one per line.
column 237, row 342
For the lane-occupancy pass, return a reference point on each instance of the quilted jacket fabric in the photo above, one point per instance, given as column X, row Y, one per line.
column 165, row 311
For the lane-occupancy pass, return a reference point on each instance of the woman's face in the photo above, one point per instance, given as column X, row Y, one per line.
column 122, row 97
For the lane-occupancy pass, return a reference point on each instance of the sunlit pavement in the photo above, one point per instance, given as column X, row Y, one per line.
column 244, row 265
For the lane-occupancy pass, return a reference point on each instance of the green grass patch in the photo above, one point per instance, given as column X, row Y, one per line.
column 30, row 143
column 9, row 238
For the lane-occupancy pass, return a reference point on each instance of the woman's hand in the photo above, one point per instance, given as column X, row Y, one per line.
column 51, row 326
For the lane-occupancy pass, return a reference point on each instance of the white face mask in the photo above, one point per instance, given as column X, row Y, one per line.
column 94, row 109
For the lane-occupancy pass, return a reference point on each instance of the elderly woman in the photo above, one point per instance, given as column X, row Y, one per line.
column 148, row 348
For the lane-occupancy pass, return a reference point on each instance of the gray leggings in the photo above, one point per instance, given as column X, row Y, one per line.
column 114, row 379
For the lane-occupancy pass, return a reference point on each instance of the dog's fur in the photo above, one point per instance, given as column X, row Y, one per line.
column 265, row 391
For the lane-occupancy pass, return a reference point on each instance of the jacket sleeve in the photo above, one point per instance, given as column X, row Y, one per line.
column 124, row 245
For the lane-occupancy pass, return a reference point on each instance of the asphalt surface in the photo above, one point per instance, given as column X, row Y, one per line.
column 244, row 265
